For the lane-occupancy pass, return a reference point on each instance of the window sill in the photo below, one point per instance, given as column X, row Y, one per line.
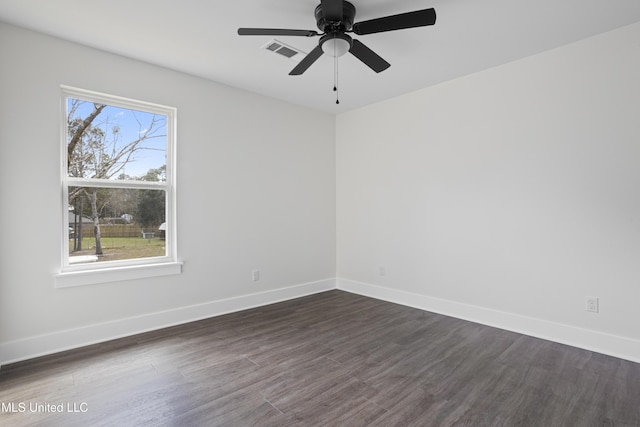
column 116, row 274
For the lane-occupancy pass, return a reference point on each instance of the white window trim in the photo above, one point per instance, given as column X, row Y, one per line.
column 112, row 271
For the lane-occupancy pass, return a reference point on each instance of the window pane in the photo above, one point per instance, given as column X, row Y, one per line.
column 109, row 142
column 130, row 224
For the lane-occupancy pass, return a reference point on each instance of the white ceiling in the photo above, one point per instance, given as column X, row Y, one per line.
column 199, row 37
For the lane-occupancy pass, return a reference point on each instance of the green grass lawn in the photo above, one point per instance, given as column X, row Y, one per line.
column 118, row 248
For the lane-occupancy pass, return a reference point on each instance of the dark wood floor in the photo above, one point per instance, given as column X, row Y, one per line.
column 331, row 359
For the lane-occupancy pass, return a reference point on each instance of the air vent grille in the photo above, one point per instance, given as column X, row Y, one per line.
column 282, row 49
column 286, row 52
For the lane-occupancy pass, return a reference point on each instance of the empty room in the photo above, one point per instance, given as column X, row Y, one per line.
column 320, row 213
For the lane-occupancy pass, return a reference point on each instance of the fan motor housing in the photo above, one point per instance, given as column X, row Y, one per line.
column 348, row 15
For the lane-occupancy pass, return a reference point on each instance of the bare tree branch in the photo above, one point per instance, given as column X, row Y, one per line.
column 77, row 136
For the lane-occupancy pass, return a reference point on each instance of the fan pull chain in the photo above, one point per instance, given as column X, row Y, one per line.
column 335, row 78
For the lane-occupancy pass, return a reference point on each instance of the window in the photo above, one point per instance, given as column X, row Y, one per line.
column 118, row 189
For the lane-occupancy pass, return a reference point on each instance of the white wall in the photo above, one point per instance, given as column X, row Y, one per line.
column 252, row 193
column 505, row 197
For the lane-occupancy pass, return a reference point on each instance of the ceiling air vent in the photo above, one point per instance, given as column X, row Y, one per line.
column 276, row 46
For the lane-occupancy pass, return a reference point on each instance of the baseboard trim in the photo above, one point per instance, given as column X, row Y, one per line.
column 42, row 345
column 612, row 345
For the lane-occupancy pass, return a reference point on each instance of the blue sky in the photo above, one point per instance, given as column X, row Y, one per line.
column 122, row 126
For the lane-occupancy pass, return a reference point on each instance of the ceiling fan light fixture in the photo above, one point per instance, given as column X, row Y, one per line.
column 336, row 45
column 334, row 19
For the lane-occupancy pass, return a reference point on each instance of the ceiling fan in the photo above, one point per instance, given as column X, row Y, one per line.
column 335, row 19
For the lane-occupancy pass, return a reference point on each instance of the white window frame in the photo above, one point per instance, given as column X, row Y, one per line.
column 112, row 271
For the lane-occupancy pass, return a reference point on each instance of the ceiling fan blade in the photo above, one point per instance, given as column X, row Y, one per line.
column 418, row 18
column 275, row 32
column 332, row 10
column 369, row 57
column 307, row 61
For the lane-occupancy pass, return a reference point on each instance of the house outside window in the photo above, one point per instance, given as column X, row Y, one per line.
column 118, row 188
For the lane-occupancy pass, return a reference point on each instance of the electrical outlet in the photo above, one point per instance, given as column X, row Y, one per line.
column 255, row 275
column 382, row 271
column 592, row 304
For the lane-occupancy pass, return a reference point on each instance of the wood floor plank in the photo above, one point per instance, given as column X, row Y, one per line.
column 330, row 359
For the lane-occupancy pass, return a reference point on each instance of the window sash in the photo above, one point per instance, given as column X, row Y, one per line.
column 119, row 183
column 168, row 186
